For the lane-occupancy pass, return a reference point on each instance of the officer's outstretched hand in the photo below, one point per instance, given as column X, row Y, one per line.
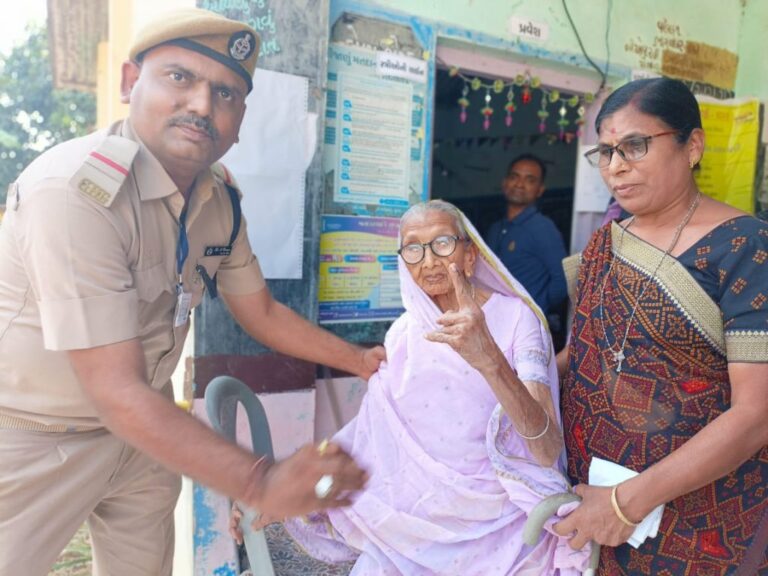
column 370, row 361
column 314, row 478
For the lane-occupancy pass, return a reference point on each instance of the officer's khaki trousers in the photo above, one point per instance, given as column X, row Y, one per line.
column 50, row 483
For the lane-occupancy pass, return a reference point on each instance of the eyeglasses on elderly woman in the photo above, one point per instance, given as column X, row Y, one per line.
column 630, row 150
column 440, row 246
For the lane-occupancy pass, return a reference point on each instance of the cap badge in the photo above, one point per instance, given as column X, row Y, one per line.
column 241, row 45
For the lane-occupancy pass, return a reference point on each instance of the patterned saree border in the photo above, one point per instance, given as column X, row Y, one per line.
column 672, row 277
column 571, row 265
column 747, row 345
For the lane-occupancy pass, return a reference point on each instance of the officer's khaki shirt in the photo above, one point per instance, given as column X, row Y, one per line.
column 75, row 274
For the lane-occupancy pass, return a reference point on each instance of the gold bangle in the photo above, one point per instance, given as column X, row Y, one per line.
column 619, row 513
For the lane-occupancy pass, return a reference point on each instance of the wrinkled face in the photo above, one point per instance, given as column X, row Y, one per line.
column 185, row 107
column 431, row 274
column 523, row 184
column 654, row 181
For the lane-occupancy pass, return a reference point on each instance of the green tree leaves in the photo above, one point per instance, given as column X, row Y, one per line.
column 34, row 116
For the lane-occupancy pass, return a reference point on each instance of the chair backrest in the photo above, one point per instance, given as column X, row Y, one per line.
column 221, row 398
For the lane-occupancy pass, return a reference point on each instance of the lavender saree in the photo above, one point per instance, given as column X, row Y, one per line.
column 451, row 481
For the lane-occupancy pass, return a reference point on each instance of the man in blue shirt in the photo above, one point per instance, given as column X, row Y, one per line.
column 526, row 241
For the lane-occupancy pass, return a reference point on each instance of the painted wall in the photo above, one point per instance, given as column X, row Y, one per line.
column 637, row 31
column 752, row 79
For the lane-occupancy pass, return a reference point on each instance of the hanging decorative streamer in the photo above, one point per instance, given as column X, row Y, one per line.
column 526, row 94
column 487, row 111
column 464, row 103
column 543, row 114
column 526, row 83
column 509, row 106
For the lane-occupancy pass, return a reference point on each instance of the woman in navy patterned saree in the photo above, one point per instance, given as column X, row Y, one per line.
column 666, row 372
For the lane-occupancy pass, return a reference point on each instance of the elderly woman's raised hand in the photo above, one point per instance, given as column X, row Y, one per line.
column 465, row 329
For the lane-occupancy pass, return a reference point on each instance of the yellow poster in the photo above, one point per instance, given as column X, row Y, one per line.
column 730, row 157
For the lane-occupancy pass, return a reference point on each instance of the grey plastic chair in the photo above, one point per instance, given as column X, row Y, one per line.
column 222, row 396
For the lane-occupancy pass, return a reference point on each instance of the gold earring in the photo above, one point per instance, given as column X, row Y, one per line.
column 691, row 164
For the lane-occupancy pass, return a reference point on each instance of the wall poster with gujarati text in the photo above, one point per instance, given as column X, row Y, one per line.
column 374, row 131
column 359, row 280
column 730, row 157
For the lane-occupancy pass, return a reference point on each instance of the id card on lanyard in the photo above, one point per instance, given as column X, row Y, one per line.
column 183, row 298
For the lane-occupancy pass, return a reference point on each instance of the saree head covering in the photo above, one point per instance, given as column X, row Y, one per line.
column 451, row 481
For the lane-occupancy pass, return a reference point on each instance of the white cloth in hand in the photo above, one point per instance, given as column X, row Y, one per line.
column 605, row 473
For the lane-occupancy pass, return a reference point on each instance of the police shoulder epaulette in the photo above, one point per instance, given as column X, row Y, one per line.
column 221, row 173
column 105, row 169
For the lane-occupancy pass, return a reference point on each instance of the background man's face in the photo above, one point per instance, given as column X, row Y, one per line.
column 523, row 184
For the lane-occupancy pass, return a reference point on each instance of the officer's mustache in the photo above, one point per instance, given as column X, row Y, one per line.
column 198, row 122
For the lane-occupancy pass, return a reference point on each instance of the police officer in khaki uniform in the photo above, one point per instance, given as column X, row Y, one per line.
column 108, row 242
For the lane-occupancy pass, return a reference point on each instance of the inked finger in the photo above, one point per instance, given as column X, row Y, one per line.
column 460, row 285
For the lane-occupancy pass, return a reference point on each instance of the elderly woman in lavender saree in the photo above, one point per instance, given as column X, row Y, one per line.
column 459, row 430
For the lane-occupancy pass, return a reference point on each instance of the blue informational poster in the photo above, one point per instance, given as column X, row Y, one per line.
column 358, row 269
column 375, row 130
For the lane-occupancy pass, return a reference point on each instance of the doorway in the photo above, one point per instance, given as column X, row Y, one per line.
column 488, row 112
column 470, row 161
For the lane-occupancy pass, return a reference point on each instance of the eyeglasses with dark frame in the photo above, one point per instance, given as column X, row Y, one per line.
column 441, row 246
column 630, row 150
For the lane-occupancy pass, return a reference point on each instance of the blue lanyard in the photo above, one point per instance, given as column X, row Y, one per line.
column 182, row 247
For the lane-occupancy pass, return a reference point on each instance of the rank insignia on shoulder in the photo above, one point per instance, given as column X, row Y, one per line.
column 220, row 171
column 224, row 176
column 105, row 169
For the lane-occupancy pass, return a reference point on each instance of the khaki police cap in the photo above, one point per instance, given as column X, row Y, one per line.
column 231, row 43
